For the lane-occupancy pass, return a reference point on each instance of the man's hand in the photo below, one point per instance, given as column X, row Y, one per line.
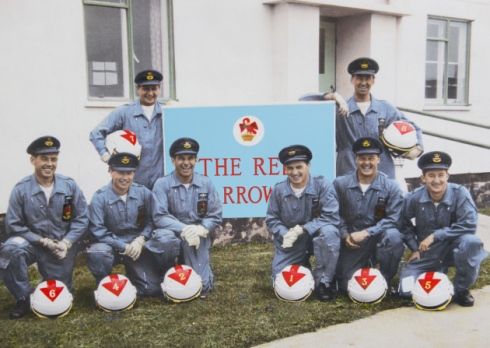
column 49, row 244
column 414, row 256
column 413, row 153
column 62, row 248
column 198, row 230
column 358, row 237
column 189, row 234
column 343, row 108
column 105, row 157
column 291, row 236
column 350, row 243
column 134, row 249
column 426, row 243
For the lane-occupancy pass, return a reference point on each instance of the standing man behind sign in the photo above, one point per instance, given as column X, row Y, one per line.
column 367, row 117
column 47, row 215
column 444, row 232
column 187, row 205
column 370, row 206
column 143, row 117
column 363, row 116
column 303, row 216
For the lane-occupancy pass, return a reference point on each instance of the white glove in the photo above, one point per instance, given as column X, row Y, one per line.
column 198, row 230
column 413, row 153
column 62, row 248
column 105, row 157
column 49, row 244
column 133, row 250
column 343, row 108
column 189, row 234
column 291, row 236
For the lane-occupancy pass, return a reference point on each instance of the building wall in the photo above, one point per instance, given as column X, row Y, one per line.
column 226, row 52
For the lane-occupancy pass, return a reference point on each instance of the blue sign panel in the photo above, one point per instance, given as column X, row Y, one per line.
column 239, row 146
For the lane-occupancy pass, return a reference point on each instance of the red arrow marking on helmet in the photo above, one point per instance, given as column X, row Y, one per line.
column 365, row 279
column 181, row 275
column 115, row 285
column 293, row 276
column 404, row 127
column 129, row 136
column 52, row 291
column 428, row 283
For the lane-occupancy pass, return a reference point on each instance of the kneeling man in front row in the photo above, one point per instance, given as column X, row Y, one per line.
column 120, row 222
column 303, row 217
column 445, row 219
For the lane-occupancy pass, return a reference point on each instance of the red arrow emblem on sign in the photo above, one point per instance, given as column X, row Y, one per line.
column 293, row 276
column 129, row 136
column 115, row 285
column 428, row 283
column 181, row 275
column 365, row 279
column 52, row 291
column 404, row 127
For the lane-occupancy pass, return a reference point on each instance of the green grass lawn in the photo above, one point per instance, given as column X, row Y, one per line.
column 243, row 311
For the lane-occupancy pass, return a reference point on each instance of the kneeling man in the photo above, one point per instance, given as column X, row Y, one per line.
column 303, row 217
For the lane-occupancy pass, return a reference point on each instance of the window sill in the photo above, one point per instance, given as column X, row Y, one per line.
column 106, row 103
column 113, row 103
column 465, row 107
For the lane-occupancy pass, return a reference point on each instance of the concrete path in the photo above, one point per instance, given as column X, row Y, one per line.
column 408, row 327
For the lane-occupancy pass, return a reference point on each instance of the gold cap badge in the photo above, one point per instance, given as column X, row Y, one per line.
column 366, row 143
column 436, row 158
column 291, row 152
column 364, row 65
column 187, row 145
column 125, row 160
column 49, row 142
column 149, row 76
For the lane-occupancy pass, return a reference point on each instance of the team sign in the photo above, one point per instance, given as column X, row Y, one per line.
column 239, row 147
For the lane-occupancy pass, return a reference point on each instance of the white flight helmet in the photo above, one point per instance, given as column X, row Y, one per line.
column 181, row 284
column 399, row 137
column 51, row 299
column 123, row 141
column 294, row 283
column 367, row 285
column 432, row 291
column 115, row 293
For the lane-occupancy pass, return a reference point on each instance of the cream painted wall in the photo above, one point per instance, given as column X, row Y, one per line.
column 226, row 52
column 353, row 41
column 43, row 90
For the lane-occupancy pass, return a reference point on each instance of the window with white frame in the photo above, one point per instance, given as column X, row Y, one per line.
column 446, row 64
column 124, row 37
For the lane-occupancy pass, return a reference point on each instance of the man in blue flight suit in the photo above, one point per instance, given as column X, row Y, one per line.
column 444, row 232
column 186, row 205
column 144, row 118
column 370, row 206
column 46, row 217
column 363, row 116
column 303, row 216
column 120, row 221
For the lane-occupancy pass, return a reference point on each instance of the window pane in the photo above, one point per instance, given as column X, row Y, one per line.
column 321, row 68
column 436, row 28
column 115, row 1
column 432, row 50
column 457, row 47
column 104, row 30
column 147, row 35
column 430, row 80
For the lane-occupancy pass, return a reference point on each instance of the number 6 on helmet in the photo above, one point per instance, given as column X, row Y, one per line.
column 51, row 299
